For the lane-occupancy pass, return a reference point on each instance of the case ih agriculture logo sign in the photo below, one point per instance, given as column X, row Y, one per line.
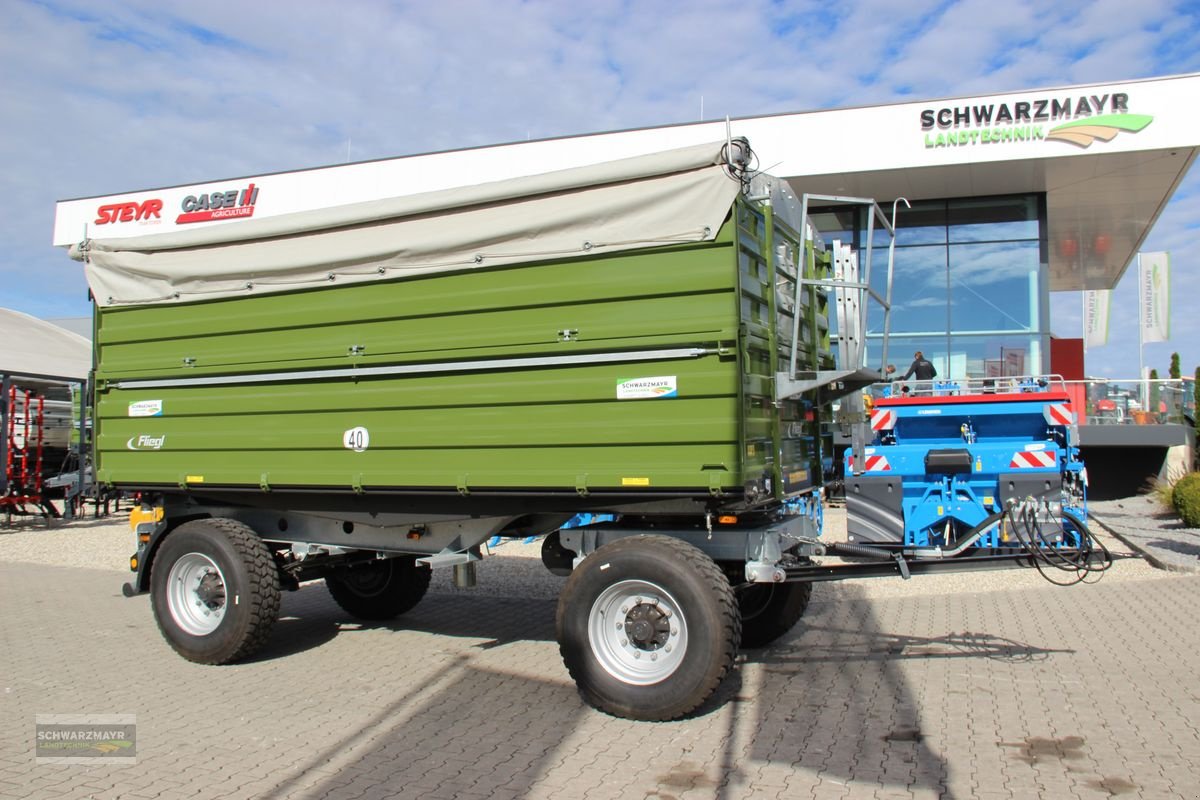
column 229, row 204
column 1084, row 119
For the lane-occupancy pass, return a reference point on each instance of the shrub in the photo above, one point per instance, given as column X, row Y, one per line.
column 1162, row 491
column 1186, row 499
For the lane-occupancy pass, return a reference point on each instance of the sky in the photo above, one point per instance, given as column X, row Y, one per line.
column 100, row 98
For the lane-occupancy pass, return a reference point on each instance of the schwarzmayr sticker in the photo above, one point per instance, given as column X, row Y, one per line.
column 1081, row 121
column 146, row 408
column 655, row 388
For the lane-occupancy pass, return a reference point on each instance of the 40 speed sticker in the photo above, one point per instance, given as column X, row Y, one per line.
column 356, row 439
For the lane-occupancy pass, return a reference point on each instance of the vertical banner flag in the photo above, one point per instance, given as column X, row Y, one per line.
column 1095, row 317
column 1154, row 299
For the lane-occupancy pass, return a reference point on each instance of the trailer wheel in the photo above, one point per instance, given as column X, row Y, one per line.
column 214, row 588
column 769, row 610
column 381, row 589
column 648, row 627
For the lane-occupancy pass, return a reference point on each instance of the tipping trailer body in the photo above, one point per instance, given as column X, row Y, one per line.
column 588, row 380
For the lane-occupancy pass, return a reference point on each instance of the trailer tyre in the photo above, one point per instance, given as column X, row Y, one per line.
column 380, row 590
column 214, row 589
column 769, row 610
column 648, row 627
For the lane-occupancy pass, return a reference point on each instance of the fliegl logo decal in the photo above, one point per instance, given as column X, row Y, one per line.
column 656, row 388
column 214, row 205
column 1084, row 120
column 146, row 442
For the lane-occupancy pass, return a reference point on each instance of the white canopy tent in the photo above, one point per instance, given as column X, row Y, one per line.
column 34, row 348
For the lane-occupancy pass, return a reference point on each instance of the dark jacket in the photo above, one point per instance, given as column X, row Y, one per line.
column 922, row 368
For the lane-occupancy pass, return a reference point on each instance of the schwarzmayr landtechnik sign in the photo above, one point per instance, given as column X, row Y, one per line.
column 1084, row 120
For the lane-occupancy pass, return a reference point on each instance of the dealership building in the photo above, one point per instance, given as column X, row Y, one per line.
column 1013, row 196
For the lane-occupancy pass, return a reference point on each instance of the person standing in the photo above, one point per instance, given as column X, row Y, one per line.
column 921, row 368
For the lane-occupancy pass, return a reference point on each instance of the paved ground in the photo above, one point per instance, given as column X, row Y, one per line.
column 1000, row 687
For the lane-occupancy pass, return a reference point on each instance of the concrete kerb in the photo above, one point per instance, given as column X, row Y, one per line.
column 1144, row 552
column 1159, row 540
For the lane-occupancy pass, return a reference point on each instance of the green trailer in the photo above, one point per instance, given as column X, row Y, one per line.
column 369, row 392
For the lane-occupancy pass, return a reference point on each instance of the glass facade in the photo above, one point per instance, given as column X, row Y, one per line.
column 970, row 288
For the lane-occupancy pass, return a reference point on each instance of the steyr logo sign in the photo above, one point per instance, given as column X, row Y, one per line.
column 129, row 212
column 229, row 204
column 1085, row 120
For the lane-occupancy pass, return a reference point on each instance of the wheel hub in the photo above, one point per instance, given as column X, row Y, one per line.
column 210, row 590
column 637, row 631
column 647, row 627
column 196, row 594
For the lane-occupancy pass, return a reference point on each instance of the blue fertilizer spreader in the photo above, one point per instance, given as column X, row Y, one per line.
column 969, row 470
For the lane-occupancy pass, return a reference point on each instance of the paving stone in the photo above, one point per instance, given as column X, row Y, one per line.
column 922, row 695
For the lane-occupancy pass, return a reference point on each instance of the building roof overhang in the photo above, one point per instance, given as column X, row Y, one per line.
column 1099, row 206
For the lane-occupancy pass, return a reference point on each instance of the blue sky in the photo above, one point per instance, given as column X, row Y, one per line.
column 116, row 96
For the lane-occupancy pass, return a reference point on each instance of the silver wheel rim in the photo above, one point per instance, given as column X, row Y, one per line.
column 637, row 632
column 196, row 594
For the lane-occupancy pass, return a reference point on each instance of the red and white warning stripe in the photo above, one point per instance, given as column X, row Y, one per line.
column 874, row 464
column 1058, row 414
column 1033, row 459
column 883, row 419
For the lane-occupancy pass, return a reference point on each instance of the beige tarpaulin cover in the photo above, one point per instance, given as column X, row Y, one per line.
column 676, row 196
column 36, row 347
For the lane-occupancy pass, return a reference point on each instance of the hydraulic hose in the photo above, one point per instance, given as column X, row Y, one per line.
column 969, row 539
column 1028, row 532
column 1080, row 561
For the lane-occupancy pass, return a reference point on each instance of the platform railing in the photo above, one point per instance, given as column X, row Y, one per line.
column 1096, row 401
column 1016, row 384
column 1106, row 401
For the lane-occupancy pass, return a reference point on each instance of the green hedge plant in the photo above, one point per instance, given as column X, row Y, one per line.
column 1186, row 499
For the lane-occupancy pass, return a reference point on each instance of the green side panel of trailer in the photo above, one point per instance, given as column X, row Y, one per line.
column 541, row 425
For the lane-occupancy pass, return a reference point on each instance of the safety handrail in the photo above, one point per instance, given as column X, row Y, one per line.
column 852, row 338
